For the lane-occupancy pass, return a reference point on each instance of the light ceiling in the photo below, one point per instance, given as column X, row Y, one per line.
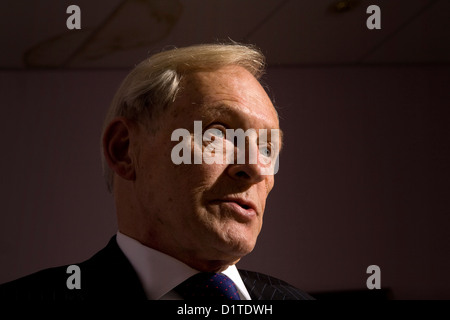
column 120, row 33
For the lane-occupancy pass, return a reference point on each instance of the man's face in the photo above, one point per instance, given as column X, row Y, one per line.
column 206, row 215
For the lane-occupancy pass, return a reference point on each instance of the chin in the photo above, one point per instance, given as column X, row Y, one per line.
column 225, row 247
column 238, row 242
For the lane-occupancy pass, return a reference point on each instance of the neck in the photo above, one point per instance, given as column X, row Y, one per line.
column 189, row 257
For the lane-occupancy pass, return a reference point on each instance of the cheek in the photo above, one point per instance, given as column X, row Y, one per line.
column 154, row 169
column 198, row 179
column 264, row 190
column 270, row 182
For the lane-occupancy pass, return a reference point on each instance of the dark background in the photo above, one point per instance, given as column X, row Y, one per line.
column 364, row 175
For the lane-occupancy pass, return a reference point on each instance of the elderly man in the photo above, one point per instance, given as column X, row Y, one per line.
column 182, row 226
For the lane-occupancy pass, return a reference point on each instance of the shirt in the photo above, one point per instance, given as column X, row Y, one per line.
column 159, row 273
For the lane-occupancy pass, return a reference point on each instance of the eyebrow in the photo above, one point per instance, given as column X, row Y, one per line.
column 225, row 108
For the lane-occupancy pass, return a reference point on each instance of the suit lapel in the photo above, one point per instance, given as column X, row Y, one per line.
column 109, row 274
column 264, row 287
column 260, row 286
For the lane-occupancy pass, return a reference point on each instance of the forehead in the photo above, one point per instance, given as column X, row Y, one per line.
column 230, row 90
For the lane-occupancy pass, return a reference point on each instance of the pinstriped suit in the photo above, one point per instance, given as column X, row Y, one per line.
column 263, row 287
column 109, row 275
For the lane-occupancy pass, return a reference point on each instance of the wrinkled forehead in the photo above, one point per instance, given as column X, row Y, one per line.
column 230, row 89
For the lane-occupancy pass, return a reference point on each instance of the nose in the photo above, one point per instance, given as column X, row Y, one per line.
column 247, row 164
column 250, row 173
column 244, row 169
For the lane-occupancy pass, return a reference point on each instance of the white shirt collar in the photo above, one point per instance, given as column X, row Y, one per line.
column 160, row 273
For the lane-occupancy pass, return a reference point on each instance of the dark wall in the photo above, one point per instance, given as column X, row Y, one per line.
column 363, row 177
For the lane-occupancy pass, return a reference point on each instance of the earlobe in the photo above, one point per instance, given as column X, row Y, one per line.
column 116, row 148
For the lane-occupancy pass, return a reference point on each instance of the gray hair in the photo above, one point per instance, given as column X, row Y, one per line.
column 154, row 83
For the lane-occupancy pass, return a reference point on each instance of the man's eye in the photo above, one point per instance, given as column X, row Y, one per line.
column 216, row 132
column 265, row 151
column 213, row 134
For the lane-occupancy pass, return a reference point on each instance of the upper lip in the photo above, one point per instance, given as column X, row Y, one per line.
column 240, row 201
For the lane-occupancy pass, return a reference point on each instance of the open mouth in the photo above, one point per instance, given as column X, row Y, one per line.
column 245, row 204
column 246, row 207
column 242, row 208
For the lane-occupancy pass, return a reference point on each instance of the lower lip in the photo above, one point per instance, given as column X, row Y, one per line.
column 241, row 212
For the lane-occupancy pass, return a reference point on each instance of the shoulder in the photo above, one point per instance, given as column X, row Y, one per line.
column 47, row 284
column 106, row 275
column 264, row 287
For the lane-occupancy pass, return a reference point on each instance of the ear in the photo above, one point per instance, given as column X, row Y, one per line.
column 116, row 148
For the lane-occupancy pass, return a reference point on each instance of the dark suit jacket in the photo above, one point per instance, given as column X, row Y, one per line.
column 109, row 275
